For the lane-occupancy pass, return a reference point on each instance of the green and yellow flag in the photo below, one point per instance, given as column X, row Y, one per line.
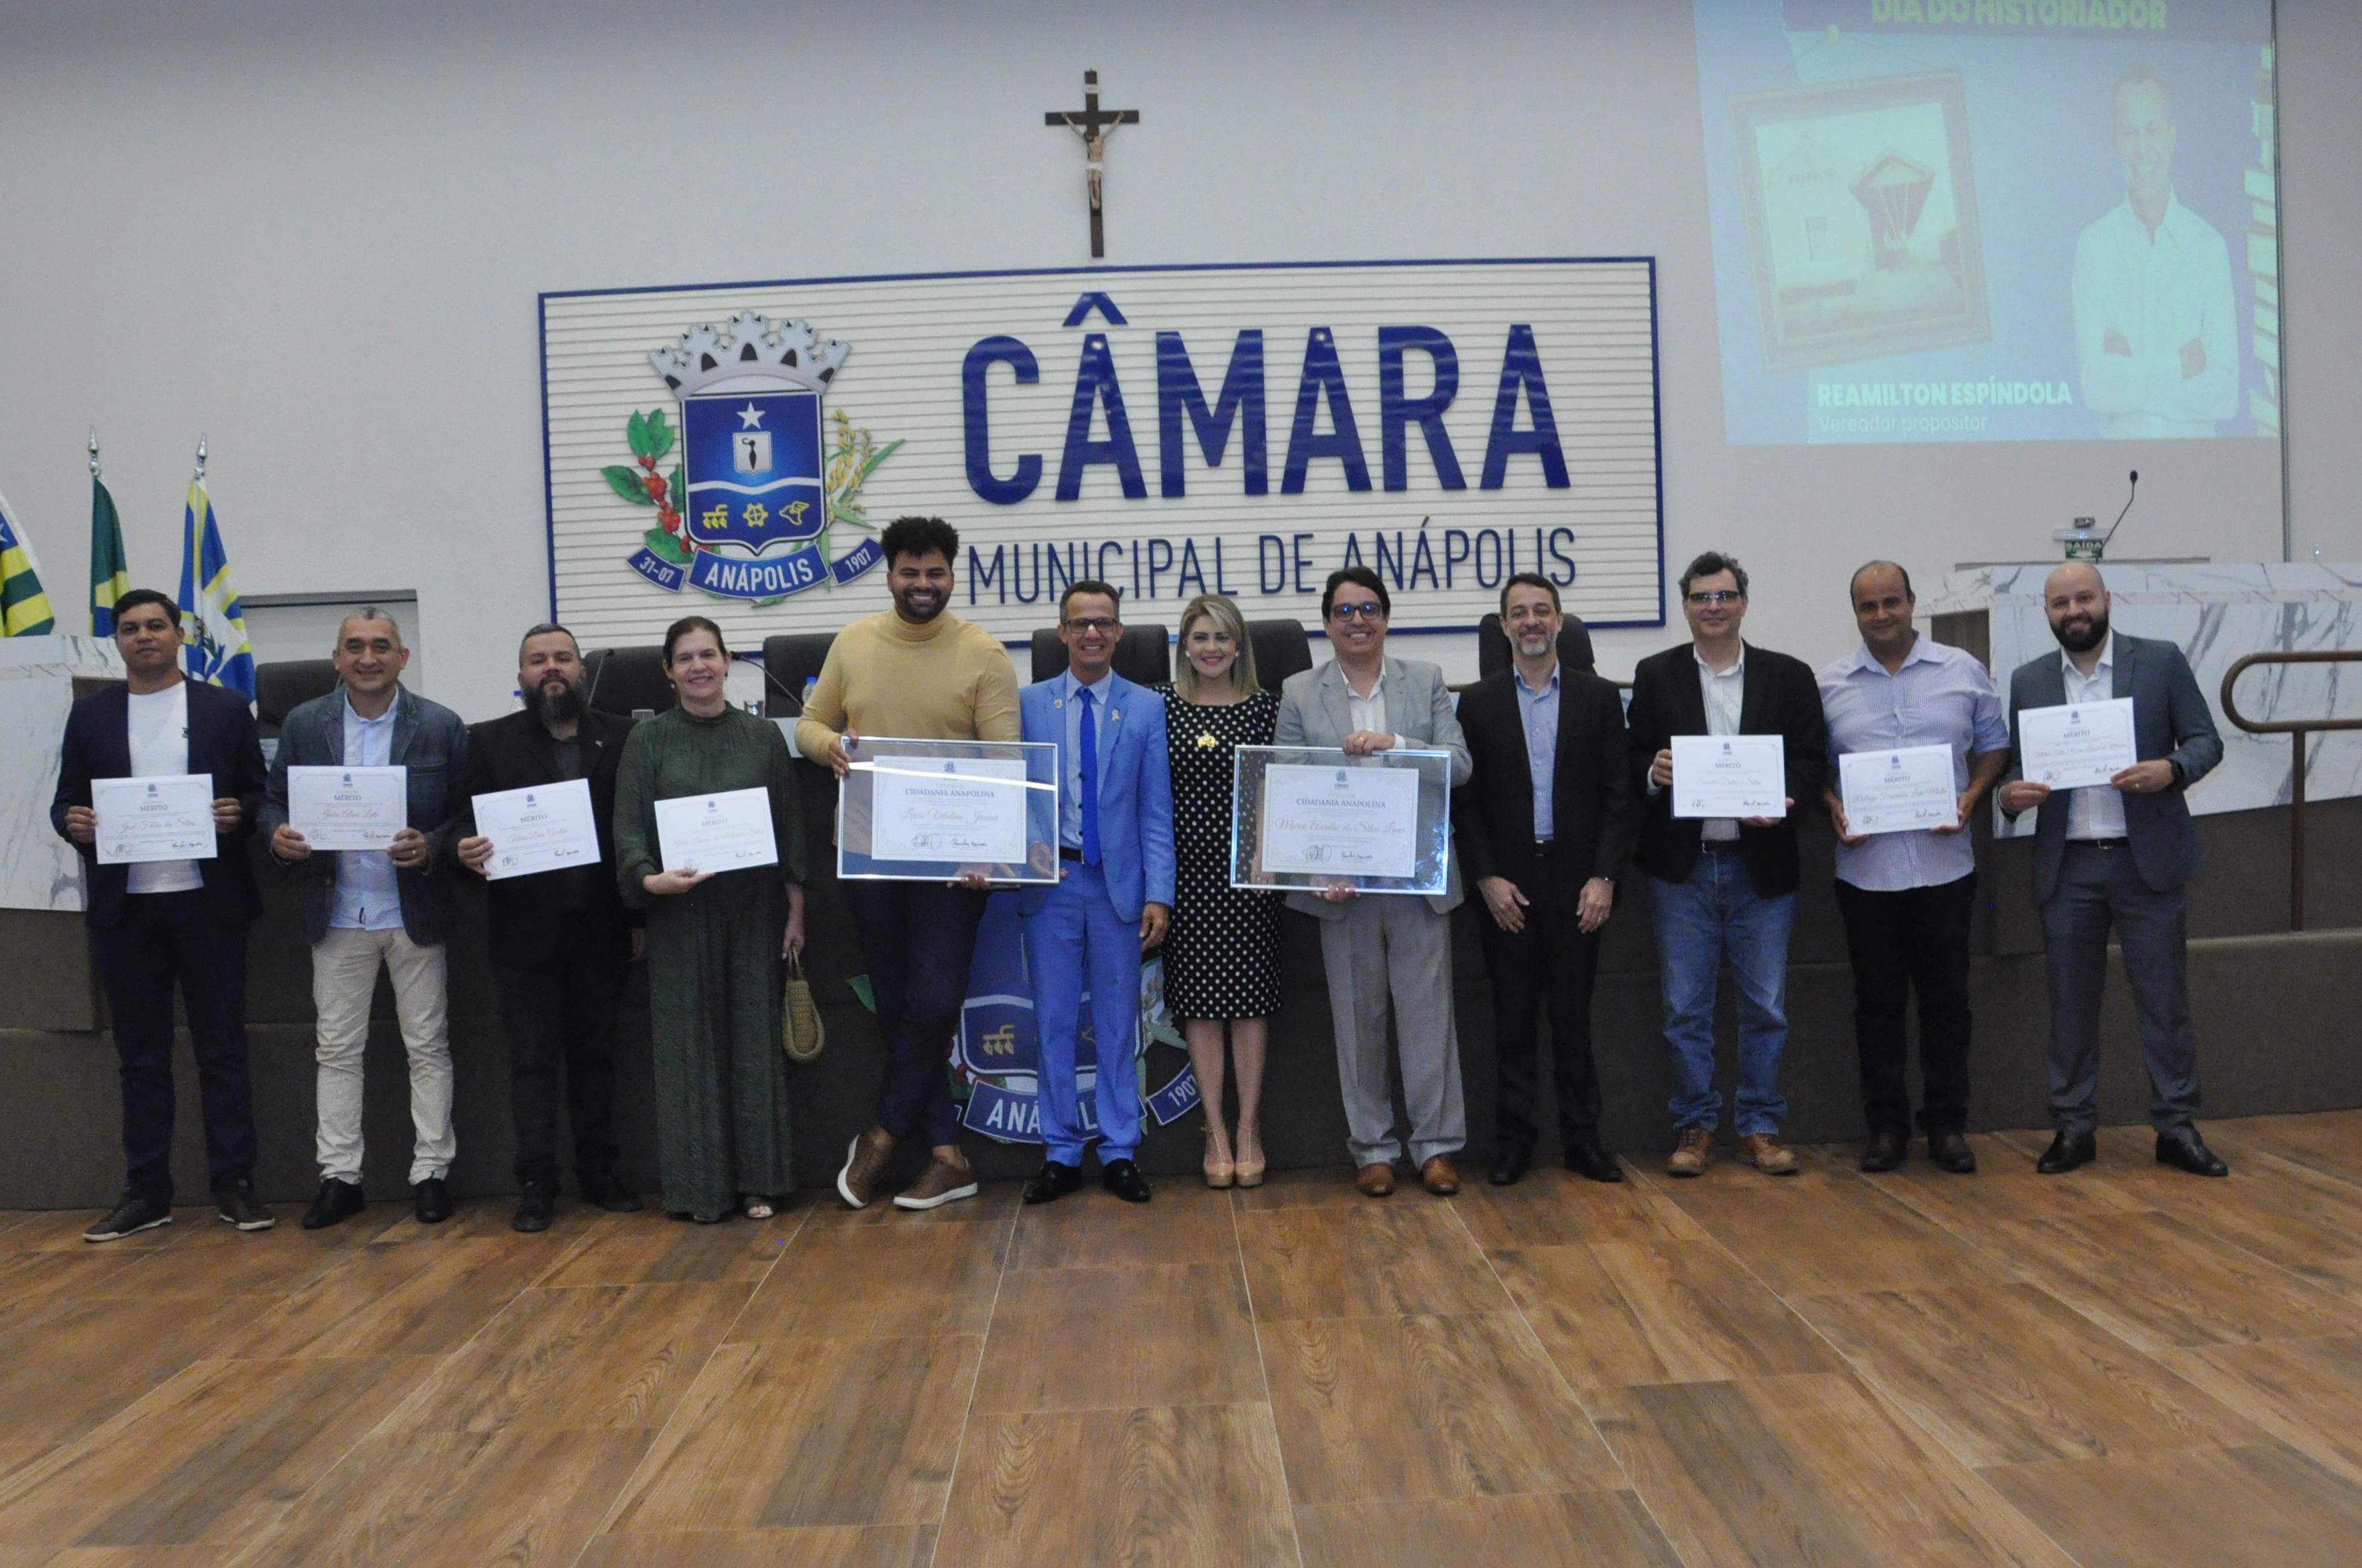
column 110, row 578
column 24, row 608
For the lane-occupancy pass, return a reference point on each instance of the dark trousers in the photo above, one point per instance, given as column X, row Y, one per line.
column 917, row 938
column 563, row 1012
column 1551, row 956
column 167, row 939
column 1914, row 939
column 2099, row 886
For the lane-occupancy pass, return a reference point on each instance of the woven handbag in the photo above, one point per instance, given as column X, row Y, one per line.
column 801, row 1030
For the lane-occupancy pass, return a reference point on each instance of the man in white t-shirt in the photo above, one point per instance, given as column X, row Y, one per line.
column 160, row 924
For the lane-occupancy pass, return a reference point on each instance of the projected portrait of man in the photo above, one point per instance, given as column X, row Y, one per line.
column 2154, row 338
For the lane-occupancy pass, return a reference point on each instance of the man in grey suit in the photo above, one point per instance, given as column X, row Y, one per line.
column 2121, row 853
column 1394, row 946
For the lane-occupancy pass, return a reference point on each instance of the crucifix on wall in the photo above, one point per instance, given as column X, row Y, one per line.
column 1094, row 124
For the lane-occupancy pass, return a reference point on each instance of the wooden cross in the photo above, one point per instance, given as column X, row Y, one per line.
column 1094, row 124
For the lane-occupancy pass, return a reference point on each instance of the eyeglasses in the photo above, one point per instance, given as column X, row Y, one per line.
column 1715, row 596
column 1373, row 611
column 1093, row 623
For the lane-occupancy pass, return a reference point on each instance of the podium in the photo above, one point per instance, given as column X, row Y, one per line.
column 41, row 891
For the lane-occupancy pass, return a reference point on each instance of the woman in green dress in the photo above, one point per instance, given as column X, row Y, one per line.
column 716, row 941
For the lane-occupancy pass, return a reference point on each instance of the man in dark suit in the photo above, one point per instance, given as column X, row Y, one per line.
column 560, row 941
column 2120, row 854
column 1724, row 886
column 1544, row 829
column 160, row 923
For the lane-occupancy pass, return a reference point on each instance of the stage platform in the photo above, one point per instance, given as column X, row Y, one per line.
column 2123, row 1365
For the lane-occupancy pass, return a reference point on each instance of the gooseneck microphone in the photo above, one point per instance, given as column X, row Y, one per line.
column 2120, row 516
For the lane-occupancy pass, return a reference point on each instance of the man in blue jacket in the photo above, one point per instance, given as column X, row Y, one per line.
column 160, row 923
column 1114, row 895
column 367, row 908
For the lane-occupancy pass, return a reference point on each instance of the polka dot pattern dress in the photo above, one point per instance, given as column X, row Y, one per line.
column 1222, row 958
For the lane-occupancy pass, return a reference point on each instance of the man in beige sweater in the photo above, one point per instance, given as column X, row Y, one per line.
column 914, row 672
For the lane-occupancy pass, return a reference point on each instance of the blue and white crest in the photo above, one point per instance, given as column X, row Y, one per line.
column 753, row 461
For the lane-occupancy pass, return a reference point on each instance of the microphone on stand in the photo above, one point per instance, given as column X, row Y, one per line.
column 2111, row 534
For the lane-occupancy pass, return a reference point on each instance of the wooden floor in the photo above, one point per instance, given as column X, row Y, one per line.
column 2127, row 1365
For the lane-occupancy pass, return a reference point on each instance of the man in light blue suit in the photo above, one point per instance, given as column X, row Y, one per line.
column 1114, row 895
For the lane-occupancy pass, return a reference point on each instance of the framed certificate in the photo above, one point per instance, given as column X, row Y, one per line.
column 727, row 832
column 1304, row 818
column 926, row 811
column 548, row 827
column 1908, row 790
column 348, row 808
column 142, row 820
column 1729, row 776
column 2081, row 745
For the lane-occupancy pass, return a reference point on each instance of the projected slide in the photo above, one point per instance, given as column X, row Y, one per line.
column 1993, row 220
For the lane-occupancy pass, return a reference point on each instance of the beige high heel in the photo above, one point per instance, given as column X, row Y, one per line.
column 1249, row 1173
column 1219, row 1173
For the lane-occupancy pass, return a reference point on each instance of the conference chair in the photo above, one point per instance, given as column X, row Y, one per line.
column 623, row 681
column 281, row 687
column 789, row 664
column 1493, row 647
column 1144, row 656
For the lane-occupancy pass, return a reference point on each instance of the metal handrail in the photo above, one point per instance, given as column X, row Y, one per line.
column 2300, row 729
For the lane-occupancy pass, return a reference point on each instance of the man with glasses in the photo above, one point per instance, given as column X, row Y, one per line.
column 1389, row 949
column 1113, row 899
column 1721, row 887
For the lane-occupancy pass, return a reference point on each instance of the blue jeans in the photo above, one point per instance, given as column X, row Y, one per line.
column 1699, row 922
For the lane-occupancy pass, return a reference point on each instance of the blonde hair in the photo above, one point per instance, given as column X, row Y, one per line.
column 1223, row 611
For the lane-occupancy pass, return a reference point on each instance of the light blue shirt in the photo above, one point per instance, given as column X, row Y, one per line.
column 1070, row 749
column 1940, row 696
column 1539, row 711
column 367, row 895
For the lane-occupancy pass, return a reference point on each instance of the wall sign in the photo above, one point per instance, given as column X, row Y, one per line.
column 1172, row 430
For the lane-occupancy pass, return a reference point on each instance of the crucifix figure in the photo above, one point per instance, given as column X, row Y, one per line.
column 1094, row 124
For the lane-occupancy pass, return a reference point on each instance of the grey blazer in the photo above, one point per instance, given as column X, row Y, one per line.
column 1313, row 712
column 2170, row 720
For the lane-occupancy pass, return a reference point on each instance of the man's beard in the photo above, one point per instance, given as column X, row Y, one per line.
column 917, row 614
column 557, row 702
column 2085, row 639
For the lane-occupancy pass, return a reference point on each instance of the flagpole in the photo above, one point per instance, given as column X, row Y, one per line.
column 94, row 452
column 200, row 476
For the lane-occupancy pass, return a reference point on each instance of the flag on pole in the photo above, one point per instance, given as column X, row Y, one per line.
column 213, row 623
column 24, row 608
column 110, row 578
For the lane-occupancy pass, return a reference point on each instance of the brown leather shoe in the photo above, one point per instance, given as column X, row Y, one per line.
column 1764, row 1152
column 1691, row 1154
column 865, row 1167
column 1440, row 1175
column 1375, row 1181
column 945, row 1181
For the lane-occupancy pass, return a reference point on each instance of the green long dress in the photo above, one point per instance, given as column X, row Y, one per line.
column 722, row 1126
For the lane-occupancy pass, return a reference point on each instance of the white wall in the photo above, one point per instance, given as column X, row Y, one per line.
column 318, row 237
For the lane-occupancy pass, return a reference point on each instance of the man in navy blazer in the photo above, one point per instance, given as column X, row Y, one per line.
column 1114, row 896
column 158, row 925
column 2119, row 852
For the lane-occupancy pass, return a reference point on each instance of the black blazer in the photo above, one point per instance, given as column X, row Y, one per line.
column 515, row 753
column 1779, row 698
column 1591, row 787
column 221, row 742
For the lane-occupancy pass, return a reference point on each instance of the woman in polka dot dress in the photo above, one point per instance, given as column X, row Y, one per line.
column 1221, row 960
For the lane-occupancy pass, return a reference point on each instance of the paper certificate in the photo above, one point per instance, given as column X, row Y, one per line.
column 169, row 818
column 547, row 828
column 2078, row 746
column 967, row 808
column 728, row 832
column 1343, row 822
column 348, row 808
column 1729, row 776
column 1899, row 791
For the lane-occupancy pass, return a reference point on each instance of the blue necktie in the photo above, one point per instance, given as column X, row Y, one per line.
column 1090, row 767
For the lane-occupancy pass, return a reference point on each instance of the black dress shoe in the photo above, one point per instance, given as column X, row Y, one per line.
column 430, row 1202
column 337, row 1200
column 2185, row 1150
column 535, row 1205
column 1886, row 1150
column 1510, row 1163
column 1586, row 1158
column 612, row 1193
column 1123, row 1178
column 237, row 1207
column 1951, row 1153
column 2066, row 1152
column 1053, row 1182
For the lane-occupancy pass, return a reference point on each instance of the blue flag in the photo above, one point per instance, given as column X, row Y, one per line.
column 213, row 623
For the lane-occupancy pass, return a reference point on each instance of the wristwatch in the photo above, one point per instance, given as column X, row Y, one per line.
column 2180, row 774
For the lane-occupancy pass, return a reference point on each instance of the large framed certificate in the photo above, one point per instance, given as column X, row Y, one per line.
column 348, row 808
column 1304, row 818
column 142, row 820
column 929, row 810
column 726, row 832
column 1729, row 776
column 548, row 827
column 2079, row 746
column 1908, row 790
